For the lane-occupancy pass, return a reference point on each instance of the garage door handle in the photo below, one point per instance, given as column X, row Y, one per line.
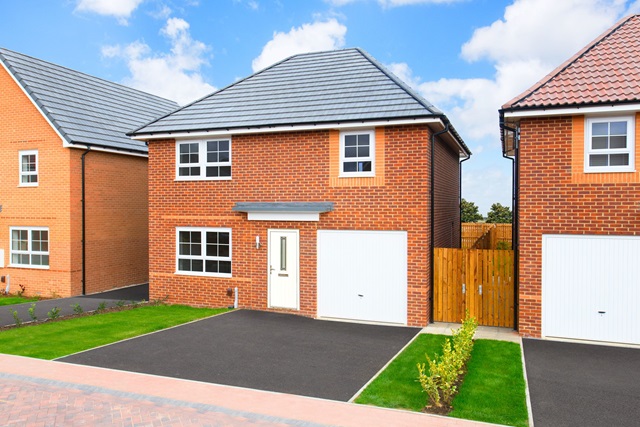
column 360, row 295
column 601, row 312
column 283, row 275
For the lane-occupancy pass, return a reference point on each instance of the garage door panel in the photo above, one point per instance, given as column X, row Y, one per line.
column 591, row 287
column 362, row 275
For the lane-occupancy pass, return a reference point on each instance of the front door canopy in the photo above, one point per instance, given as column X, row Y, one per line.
column 283, row 211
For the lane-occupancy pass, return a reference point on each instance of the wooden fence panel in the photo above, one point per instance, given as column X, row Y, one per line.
column 480, row 281
column 486, row 236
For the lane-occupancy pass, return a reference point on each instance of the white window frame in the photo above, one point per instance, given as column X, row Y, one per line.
column 588, row 151
column 29, row 173
column 203, row 256
column 29, row 250
column 371, row 157
column 202, row 157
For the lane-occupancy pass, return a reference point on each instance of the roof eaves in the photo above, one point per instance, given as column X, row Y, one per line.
column 511, row 105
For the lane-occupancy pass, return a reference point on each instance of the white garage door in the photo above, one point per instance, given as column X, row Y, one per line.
column 591, row 287
column 362, row 275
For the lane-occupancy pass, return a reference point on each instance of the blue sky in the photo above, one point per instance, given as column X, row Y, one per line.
column 466, row 56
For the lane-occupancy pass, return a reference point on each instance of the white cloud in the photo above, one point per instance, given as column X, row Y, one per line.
column 318, row 36
column 532, row 39
column 120, row 9
column 175, row 75
column 393, row 3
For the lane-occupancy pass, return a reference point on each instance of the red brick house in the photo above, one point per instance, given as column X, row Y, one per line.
column 73, row 199
column 572, row 137
column 307, row 187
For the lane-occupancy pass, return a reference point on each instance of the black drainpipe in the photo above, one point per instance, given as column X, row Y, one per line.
column 515, row 241
column 84, row 245
column 432, row 242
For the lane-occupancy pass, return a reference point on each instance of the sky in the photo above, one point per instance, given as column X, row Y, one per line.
column 467, row 57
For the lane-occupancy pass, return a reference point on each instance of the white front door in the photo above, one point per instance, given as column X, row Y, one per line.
column 283, row 268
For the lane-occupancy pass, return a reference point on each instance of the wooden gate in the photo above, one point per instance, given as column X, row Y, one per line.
column 478, row 280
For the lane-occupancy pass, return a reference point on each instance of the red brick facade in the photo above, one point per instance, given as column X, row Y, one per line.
column 557, row 197
column 116, row 193
column 300, row 167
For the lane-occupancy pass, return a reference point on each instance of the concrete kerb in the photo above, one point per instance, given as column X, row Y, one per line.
column 526, row 386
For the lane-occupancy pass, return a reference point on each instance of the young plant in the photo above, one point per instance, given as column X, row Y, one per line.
column 440, row 384
column 54, row 313
column 120, row 303
column 32, row 312
column 21, row 291
column 16, row 318
column 77, row 309
column 101, row 307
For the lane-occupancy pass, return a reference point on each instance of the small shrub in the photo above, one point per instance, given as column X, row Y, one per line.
column 77, row 309
column 120, row 303
column 101, row 307
column 21, row 291
column 32, row 312
column 16, row 318
column 54, row 313
column 440, row 383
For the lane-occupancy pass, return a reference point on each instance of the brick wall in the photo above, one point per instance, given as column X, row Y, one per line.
column 295, row 166
column 117, row 220
column 447, row 197
column 556, row 197
column 117, row 205
column 47, row 205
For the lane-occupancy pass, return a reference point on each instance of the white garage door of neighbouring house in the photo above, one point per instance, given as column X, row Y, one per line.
column 362, row 275
column 591, row 288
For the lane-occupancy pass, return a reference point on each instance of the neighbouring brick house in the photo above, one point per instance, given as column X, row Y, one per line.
column 573, row 139
column 306, row 187
column 62, row 132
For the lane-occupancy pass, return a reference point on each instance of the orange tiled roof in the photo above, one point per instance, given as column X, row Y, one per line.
column 604, row 72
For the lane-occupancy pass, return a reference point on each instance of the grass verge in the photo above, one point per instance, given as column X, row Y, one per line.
column 493, row 389
column 57, row 339
column 15, row 300
column 397, row 386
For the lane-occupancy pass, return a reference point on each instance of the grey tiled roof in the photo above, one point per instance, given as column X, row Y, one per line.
column 323, row 87
column 86, row 109
column 283, row 207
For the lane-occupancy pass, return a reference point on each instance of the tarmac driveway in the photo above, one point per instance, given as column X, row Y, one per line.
column 582, row 384
column 260, row 350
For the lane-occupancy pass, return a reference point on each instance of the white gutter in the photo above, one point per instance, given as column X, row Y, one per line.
column 601, row 109
column 103, row 150
column 294, row 128
column 291, row 128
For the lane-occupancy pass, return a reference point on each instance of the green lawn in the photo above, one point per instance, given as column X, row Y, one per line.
column 397, row 386
column 15, row 300
column 493, row 389
column 57, row 339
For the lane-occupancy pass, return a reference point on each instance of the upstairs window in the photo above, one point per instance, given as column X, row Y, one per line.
column 30, row 247
column 357, row 154
column 203, row 160
column 28, row 168
column 610, row 144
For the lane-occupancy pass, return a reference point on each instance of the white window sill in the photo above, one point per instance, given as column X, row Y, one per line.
column 226, row 178
column 27, row 185
column 34, row 267
column 608, row 170
column 195, row 273
column 358, row 175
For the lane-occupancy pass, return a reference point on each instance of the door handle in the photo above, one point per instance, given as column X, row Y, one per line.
column 271, row 269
